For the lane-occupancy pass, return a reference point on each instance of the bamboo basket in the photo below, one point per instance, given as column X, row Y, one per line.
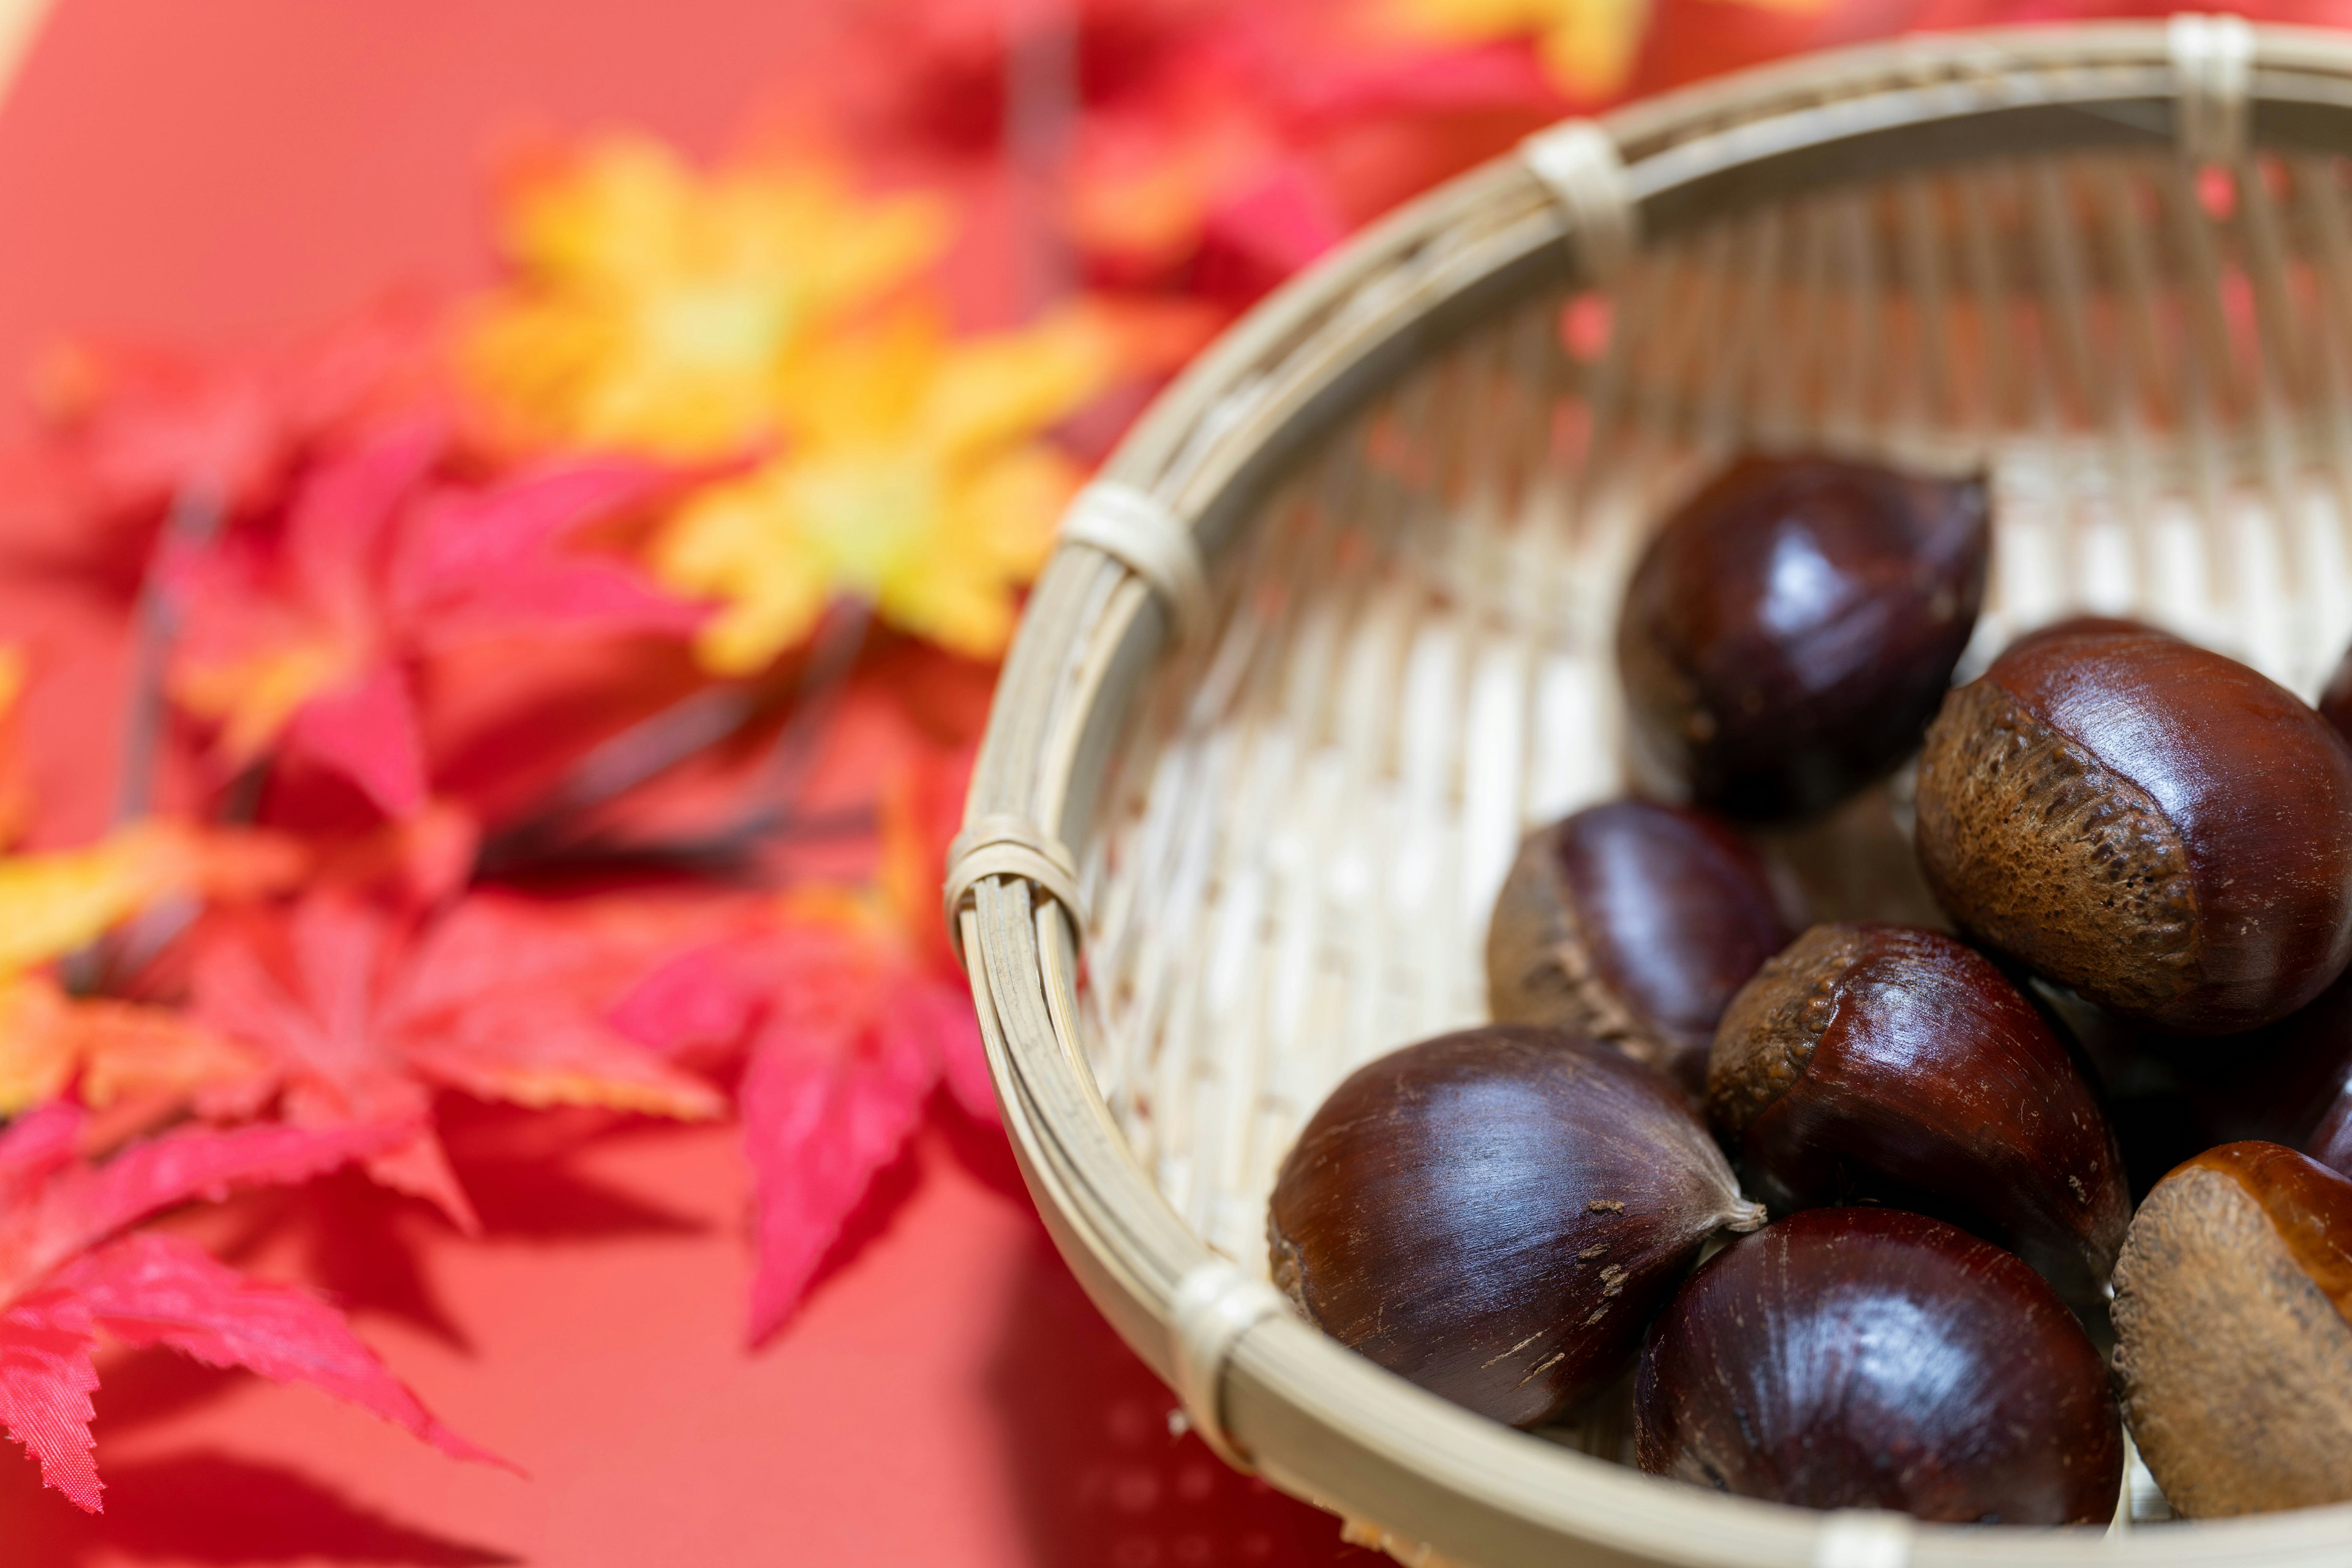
column 1335, row 627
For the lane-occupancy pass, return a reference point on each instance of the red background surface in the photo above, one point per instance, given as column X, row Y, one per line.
column 229, row 170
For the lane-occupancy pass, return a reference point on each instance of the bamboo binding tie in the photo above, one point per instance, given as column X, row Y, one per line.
column 1578, row 162
column 1214, row 1306
column 1144, row 534
column 2213, row 73
column 1007, row 845
column 1863, row 1538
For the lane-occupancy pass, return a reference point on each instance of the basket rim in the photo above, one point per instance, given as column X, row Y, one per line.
column 1323, row 1423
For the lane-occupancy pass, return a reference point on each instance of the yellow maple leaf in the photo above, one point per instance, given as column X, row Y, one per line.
column 658, row 310
column 916, row 480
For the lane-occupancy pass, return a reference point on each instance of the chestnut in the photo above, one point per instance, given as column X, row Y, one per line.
column 2335, row 697
column 2079, row 626
column 1496, row 1214
column 2157, row 826
column 1894, row 1063
column 2233, row 1331
column 1870, row 1358
column 1854, row 861
column 2330, row 1142
column 1631, row 924
column 1788, row 631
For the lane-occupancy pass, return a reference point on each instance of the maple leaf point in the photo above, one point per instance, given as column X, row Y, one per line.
column 363, row 1014
column 63, row 1277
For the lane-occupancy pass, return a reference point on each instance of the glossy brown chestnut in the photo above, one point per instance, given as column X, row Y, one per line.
column 1497, row 1214
column 1893, row 1064
column 2171, row 1097
column 1631, row 924
column 2143, row 820
column 2233, row 1333
column 1854, row 861
column 1786, row 635
column 1870, row 1358
column 2335, row 697
column 2081, row 625
column 2330, row 1142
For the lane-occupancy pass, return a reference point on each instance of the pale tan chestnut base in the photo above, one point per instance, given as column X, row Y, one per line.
column 2235, row 1370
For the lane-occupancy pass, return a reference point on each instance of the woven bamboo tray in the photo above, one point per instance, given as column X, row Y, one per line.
column 1335, row 627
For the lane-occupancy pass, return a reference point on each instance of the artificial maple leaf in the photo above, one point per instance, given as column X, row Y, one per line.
column 917, row 481
column 15, row 792
column 61, row 1279
column 114, row 1050
column 1592, row 47
column 1587, row 45
column 1215, row 146
column 57, row 901
column 847, row 1040
column 852, row 1013
column 125, row 433
column 655, row 309
column 361, row 1015
column 313, row 638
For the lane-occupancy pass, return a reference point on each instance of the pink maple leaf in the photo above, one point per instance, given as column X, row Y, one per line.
column 314, row 635
column 364, row 1014
column 62, row 1280
column 125, row 431
column 848, row 1033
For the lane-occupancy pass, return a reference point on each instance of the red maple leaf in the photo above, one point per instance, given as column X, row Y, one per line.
column 364, row 1013
column 61, row 1279
column 846, row 1038
column 310, row 636
column 1216, row 145
column 845, row 999
column 126, row 432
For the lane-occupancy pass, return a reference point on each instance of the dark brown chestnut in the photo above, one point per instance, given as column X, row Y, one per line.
column 2079, row 626
column 2330, row 1142
column 2335, row 696
column 1854, row 861
column 2156, row 825
column 2170, row 1097
column 1497, row 1214
column 1631, row 924
column 1786, row 635
column 1870, row 1358
column 1893, row 1064
column 2233, row 1333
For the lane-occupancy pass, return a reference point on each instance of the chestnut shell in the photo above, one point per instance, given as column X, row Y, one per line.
column 1788, row 631
column 1632, row 924
column 2233, row 1333
column 1892, row 1064
column 2157, row 826
column 1495, row 1214
column 1870, row 1358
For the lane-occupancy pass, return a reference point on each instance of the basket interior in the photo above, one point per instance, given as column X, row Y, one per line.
column 1314, row 805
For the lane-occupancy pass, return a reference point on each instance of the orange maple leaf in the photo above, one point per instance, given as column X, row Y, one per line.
column 361, row 1016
